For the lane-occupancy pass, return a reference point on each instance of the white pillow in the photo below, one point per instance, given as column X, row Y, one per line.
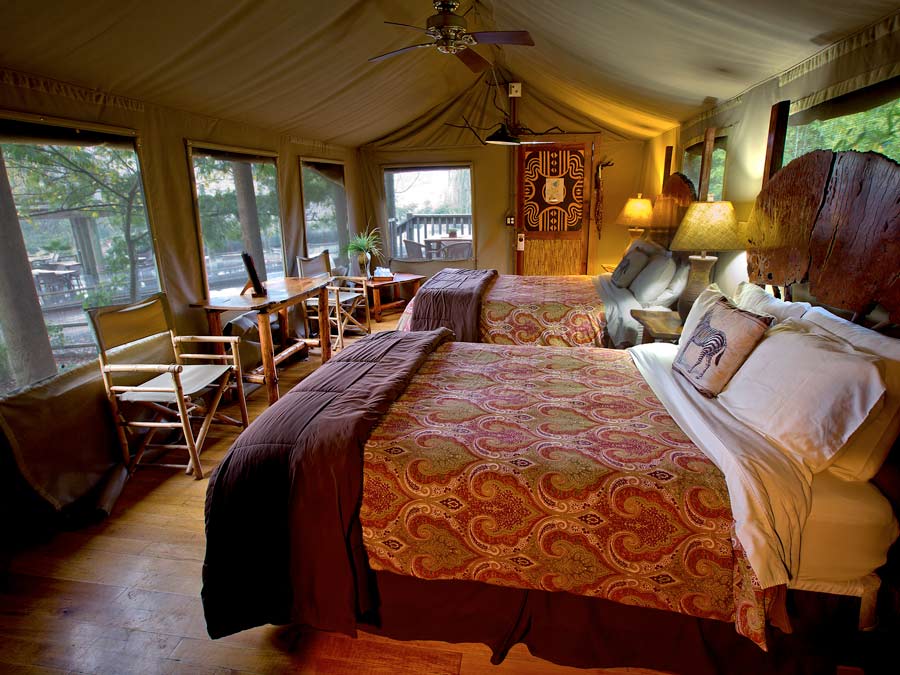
column 653, row 279
column 629, row 267
column 867, row 449
column 675, row 288
column 756, row 299
column 806, row 392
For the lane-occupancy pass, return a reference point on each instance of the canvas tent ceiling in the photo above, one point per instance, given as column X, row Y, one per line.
column 299, row 67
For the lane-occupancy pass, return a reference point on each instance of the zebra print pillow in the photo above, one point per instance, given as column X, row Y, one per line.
column 719, row 342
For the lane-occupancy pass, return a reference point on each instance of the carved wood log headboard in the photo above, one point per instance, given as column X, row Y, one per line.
column 832, row 220
column 677, row 194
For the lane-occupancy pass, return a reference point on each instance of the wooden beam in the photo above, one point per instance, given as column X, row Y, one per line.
column 709, row 142
column 778, row 120
column 667, row 163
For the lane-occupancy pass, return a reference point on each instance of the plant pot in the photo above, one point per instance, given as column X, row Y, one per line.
column 365, row 264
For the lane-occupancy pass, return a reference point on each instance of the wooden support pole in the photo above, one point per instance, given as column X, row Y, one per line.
column 778, row 120
column 709, row 142
column 667, row 163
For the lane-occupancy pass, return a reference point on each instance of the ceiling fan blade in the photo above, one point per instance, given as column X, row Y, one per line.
column 382, row 57
column 405, row 25
column 475, row 61
column 503, row 37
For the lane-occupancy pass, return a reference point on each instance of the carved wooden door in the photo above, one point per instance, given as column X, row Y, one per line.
column 553, row 208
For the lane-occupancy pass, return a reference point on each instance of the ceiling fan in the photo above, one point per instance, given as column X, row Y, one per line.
column 448, row 32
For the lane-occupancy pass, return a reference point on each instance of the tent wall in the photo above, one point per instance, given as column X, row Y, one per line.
column 437, row 138
column 861, row 60
column 68, row 471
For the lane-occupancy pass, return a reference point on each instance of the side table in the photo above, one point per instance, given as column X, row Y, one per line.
column 659, row 325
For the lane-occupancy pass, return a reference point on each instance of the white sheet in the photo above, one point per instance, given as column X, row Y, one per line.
column 817, row 533
column 771, row 494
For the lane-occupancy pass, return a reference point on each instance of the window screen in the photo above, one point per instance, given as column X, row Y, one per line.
column 77, row 205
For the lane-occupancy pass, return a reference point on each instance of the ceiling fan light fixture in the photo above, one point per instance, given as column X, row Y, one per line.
column 502, row 137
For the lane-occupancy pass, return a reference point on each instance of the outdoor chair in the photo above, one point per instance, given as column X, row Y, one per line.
column 346, row 295
column 457, row 251
column 416, row 250
column 175, row 394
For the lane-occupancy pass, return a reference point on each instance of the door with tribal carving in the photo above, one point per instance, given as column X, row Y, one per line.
column 553, row 208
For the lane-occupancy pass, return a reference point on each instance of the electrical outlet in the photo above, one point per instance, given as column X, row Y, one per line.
column 511, row 221
column 515, row 89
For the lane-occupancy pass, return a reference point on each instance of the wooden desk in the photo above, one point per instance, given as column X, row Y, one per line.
column 282, row 293
column 400, row 279
column 659, row 326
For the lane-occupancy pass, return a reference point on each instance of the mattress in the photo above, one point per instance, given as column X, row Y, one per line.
column 846, row 537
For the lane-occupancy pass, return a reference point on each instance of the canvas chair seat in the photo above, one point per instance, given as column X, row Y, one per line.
column 194, row 379
column 345, row 298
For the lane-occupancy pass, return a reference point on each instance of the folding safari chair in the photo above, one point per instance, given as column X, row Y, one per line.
column 343, row 300
column 175, row 393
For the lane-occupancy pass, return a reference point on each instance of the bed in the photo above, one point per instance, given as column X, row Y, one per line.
column 580, row 501
column 582, row 310
column 534, row 310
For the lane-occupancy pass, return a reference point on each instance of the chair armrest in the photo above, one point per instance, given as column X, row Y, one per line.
column 143, row 368
column 208, row 338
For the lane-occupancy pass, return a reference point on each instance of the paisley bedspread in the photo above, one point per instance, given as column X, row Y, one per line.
column 558, row 311
column 554, row 469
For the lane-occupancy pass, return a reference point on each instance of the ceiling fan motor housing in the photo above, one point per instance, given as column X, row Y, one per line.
column 448, row 29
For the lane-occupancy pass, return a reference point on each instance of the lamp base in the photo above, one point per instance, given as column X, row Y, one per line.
column 635, row 233
column 698, row 280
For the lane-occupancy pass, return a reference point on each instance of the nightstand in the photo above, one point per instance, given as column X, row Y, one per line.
column 659, row 326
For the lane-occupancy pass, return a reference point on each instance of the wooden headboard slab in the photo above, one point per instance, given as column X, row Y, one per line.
column 831, row 219
column 677, row 194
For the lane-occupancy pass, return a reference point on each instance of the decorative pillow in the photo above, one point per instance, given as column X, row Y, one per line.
column 756, row 299
column 675, row 288
column 718, row 343
column 630, row 266
column 865, row 452
column 653, row 279
column 786, row 392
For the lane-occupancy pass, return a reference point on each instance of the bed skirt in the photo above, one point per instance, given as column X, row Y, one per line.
column 594, row 633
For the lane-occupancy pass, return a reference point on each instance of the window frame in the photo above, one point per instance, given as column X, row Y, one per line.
column 192, row 145
column 719, row 142
column 133, row 139
column 432, row 166
column 320, row 160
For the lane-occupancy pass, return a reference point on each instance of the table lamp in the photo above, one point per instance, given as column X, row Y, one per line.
column 636, row 216
column 707, row 226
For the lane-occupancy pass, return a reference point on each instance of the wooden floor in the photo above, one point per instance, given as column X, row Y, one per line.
column 122, row 597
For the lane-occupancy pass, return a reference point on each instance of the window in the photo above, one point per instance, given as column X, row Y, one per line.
column 430, row 213
column 860, row 121
column 237, row 198
column 325, row 211
column 693, row 157
column 74, row 221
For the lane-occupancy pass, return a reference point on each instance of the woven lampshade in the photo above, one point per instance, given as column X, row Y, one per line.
column 708, row 226
column 637, row 212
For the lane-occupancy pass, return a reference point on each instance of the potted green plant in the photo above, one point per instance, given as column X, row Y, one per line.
column 366, row 245
column 452, row 233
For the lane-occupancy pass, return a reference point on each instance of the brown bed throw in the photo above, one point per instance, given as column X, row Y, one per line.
column 452, row 299
column 283, row 538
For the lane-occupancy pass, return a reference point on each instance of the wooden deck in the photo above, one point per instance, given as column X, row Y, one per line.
column 122, row 597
